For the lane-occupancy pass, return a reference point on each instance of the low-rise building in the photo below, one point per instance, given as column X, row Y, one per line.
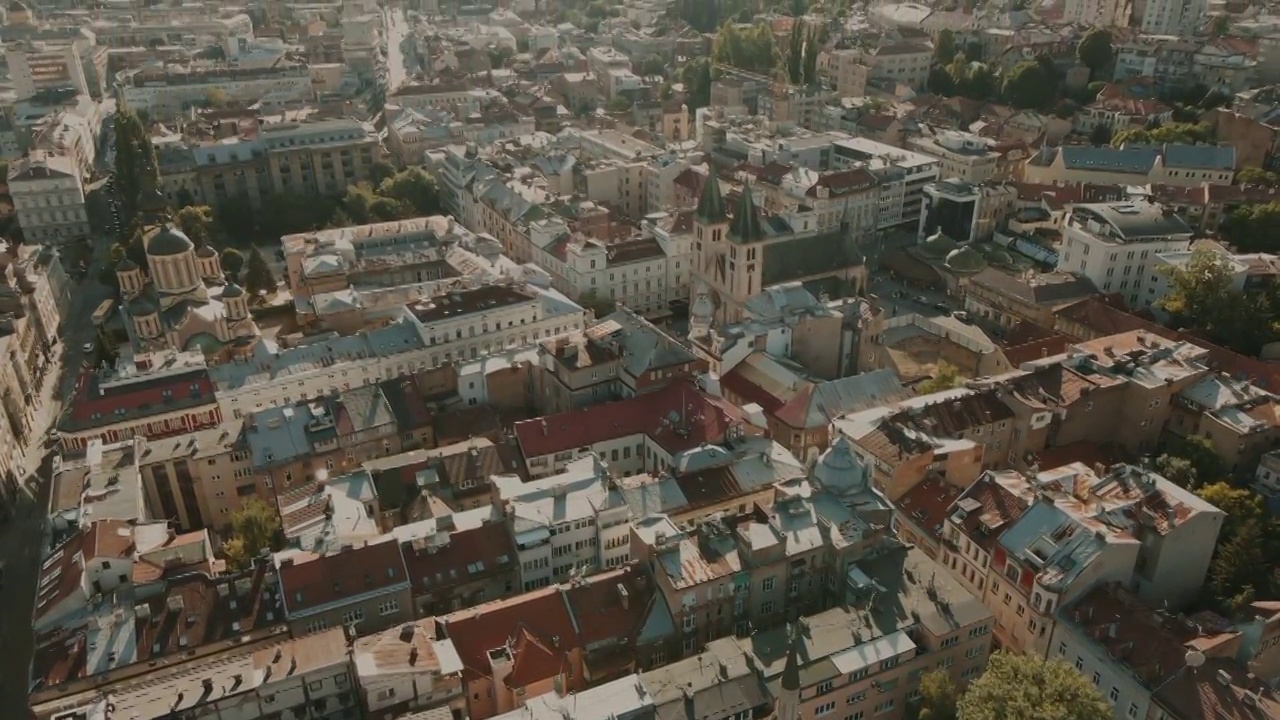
column 365, row 588
column 48, row 197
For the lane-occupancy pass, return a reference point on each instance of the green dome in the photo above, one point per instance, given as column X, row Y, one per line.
column 232, row 290
column 204, row 342
column 169, row 241
column 965, row 260
column 937, row 245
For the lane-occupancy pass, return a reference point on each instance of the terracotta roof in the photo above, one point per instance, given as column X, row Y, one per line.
column 469, row 555
column 463, row 423
column 324, row 579
column 997, row 506
column 108, row 539
column 677, row 417
column 612, row 607
column 1103, row 317
column 539, row 615
column 929, row 503
column 1090, row 453
column 97, row 405
column 843, row 182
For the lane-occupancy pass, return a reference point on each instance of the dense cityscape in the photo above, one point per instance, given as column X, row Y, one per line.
column 648, row 360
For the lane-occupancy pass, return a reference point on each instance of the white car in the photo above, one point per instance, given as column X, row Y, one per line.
column 88, row 348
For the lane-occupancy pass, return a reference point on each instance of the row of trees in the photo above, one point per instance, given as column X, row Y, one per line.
column 1176, row 132
column 747, row 48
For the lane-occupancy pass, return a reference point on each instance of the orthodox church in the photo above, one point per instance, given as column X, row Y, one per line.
column 737, row 256
column 181, row 300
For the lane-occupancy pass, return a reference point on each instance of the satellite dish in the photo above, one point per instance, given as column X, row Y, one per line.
column 1194, row 658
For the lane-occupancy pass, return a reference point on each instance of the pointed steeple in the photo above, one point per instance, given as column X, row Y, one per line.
column 788, row 705
column 711, row 203
column 746, row 227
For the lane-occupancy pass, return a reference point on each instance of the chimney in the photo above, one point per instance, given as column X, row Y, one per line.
column 624, row 596
column 413, row 655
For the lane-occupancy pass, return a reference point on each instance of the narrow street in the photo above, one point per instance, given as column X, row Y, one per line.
column 23, row 536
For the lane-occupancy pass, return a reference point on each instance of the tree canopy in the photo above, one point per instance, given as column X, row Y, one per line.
column 696, row 76
column 945, row 377
column 1022, row 687
column 1031, row 84
column 1258, row 176
column 196, row 222
column 1095, row 50
column 258, row 277
column 938, row 696
column 1201, row 296
column 1171, row 133
column 232, row 262
column 746, row 48
column 255, row 527
column 1248, row 549
column 1191, row 462
column 944, row 50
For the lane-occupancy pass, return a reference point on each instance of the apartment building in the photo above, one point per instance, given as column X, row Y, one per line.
column 1171, row 164
column 625, row 435
column 619, row 356
column 1179, row 18
column 38, row 66
column 964, row 156
column 164, row 90
column 1100, row 13
column 565, row 524
column 459, row 561
column 846, row 200
column 407, row 669
column 642, row 273
column 1032, row 544
column 365, row 588
column 48, row 197
column 308, row 676
column 1116, row 246
column 903, row 175
column 561, row 639
column 152, row 396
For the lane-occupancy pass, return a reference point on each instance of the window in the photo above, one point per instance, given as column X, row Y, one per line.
column 1133, row 710
column 884, row 707
column 1097, row 678
column 352, row 616
column 825, row 708
column 855, row 716
column 767, row 585
column 1062, row 649
column 856, row 698
column 1079, row 663
column 1114, row 694
column 388, row 607
column 690, row 644
column 690, row 622
column 766, row 607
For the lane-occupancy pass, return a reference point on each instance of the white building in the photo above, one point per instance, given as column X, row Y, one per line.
column 166, row 91
column 36, row 66
column 902, row 175
column 48, row 197
column 1115, row 245
column 1178, row 18
column 566, row 523
column 965, row 156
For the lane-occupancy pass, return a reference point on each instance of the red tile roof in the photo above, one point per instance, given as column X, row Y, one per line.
column 843, row 182
column 611, row 607
column 928, row 504
column 470, row 554
column 108, row 539
column 540, row 615
column 95, row 405
column 678, row 417
column 324, row 579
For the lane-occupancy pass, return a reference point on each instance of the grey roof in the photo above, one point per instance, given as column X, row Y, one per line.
column 711, row 202
column 1135, row 219
column 1137, row 160
column 169, row 241
column 644, row 347
column 366, row 408
column 1200, row 157
column 232, row 290
column 717, row 685
column 802, row 257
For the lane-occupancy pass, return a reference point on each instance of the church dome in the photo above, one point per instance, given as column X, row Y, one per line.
column 996, row 256
column 232, row 290
column 169, row 241
column 965, row 260
column 937, row 245
column 206, row 343
column 206, row 252
column 839, row 469
column 126, row 265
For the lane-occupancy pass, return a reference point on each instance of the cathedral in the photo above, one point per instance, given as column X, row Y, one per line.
column 181, row 301
column 737, row 256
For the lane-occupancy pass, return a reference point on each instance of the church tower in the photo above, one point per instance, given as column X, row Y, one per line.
column 788, row 705
column 710, row 223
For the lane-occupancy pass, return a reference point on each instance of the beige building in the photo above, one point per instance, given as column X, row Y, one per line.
column 1172, row 164
column 48, row 197
column 406, row 669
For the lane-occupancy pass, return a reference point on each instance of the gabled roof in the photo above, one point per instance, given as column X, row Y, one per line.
column 710, row 202
column 535, row 623
column 308, row 585
column 469, row 554
column 746, row 227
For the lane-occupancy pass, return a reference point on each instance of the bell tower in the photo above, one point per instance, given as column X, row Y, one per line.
column 711, row 240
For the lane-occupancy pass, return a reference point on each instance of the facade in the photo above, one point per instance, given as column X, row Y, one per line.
column 1116, row 246
column 48, row 197
column 366, row 588
column 164, row 91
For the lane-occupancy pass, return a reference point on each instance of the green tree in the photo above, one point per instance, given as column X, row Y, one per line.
column 809, row 68
column 1100, row 134
column 591, row 300
column 499, row 56
column 944, row 50
column 215, row 98
column 1023, row 687
column 1257, row 176
column 938, row 696
column 258, row 277
column 1201, row 296
column 1221, row 25
column 1095, row 51
column 940, row 81
column 696, row 77
column 414, row 188
column 196, row 221
column 1030, row 85
column 1254, row 228
column 945, row 377
column 232, row 262
column 619, row 104
column 236, row 220
column 255, row 527
column 653, row 65
column 749, row 49
column 795, row 54
column 1201, row 459
column 380, row 171
column 1177, row 132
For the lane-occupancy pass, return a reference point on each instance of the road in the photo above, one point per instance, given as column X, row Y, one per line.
column 397, row 28
column 23, row 536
